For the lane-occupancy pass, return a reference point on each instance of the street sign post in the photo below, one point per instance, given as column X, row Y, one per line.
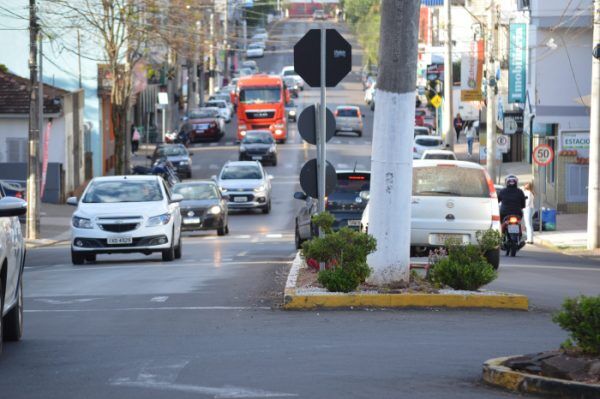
column 334, row 63
column 436, row 101
column 307, row 124
column 308, row 179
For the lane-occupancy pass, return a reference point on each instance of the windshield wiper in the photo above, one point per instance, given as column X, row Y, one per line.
column 438, row 192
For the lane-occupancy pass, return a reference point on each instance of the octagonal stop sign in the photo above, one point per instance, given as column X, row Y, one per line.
column 307, row 57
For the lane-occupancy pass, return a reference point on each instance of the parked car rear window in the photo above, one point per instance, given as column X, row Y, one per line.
column 102, row 192
column 428, row 142
column 349, row 187
column 216, row 104
column 439, row 156
column 451, row 181
column 347, row 112
column 421, row 131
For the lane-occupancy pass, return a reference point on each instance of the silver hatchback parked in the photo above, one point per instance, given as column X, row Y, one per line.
column 348, row 119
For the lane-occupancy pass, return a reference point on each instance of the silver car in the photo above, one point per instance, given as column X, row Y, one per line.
column 348, row 119
column 245, row 185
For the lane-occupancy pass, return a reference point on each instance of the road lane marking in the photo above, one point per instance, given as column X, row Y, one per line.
column 159, row 299
column 169, row 308
column 241, row 254
column 566, row 268
column 66, row 302
column 274, row 235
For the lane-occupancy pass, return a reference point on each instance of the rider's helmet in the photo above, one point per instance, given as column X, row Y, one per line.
column 511, row 181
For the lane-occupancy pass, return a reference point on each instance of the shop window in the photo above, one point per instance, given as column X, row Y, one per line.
column 577, row 183
column 16, row 149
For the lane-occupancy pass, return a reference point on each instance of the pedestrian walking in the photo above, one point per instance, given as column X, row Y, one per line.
column 528, row 211
column 135, row 140
column 470, row 135
column 458, row 125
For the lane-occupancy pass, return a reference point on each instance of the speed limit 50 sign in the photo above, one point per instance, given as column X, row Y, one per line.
column 543, row 154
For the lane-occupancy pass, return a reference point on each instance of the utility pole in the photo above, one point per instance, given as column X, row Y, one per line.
column 593, row 224
column 34, row 128
column 213, row 53
column 448, row 79
column 391, row 161
column 492, row 33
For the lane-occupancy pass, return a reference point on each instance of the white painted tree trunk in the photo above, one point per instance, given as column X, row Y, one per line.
column 391, row 186
column 391, row 159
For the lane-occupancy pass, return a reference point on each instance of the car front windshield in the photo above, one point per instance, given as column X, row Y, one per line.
column 115, row 191
column 449, row 180
column 196, row 191
column 258, row 138
column 260, row 95
column 171, row 151
column 241, row 172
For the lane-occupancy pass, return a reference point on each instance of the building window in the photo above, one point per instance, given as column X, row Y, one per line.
column 577, row 183
column 16, row 149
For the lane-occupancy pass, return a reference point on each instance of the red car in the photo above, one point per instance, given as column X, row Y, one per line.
column 203, row 125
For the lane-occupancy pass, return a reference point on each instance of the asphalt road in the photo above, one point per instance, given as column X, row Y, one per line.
column 208, row 325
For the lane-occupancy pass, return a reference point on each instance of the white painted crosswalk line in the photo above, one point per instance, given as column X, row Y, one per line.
column 159, row 299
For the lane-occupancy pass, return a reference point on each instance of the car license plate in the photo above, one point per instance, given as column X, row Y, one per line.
column 440, row 239
column 201, row 127
column 191, row 221
column 256, row 158
column 354, row 223
column 513, row 229
column 119, row 240
column 240, row 199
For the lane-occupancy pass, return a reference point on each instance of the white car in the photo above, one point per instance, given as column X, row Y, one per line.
column 424, row 143
column 220, row 119
column 261, row 36
column 255, row 50
column 450, row 199
column 124, row 214
column 245, row 185
column 290, row 71
column 12, row 261
column 222, row 106
column 439, row 154
column 422, row 131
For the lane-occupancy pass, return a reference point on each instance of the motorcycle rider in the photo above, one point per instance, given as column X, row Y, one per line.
column 511, row 198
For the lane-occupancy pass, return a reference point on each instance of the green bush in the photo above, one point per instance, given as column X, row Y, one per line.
column 488, row 240
column 345, row 251
column 581, row 318
column 464, row 268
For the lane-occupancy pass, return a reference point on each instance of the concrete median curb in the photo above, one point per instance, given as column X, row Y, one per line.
column 494, row 373
column 298, row 299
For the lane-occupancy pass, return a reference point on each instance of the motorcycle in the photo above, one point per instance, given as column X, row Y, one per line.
column 161, row 167
column 512, row 235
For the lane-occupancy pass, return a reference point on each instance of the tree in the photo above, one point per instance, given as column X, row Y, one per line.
column 391, row 161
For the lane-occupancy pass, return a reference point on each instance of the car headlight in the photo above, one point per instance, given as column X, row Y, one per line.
column 159, row 220
column 272, row 148
column 214, row 210
column 260, row 188
column 82, row 223
column 242, row 148
column 292, row 113
column 243, row 133
column 184, row 163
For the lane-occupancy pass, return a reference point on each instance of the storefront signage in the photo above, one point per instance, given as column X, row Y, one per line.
column 471, row 73
column 512, row 122
column 578, row 140
column 517, row 63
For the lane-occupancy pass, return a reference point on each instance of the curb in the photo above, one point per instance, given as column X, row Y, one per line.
column 494, row 373
column 294, row 300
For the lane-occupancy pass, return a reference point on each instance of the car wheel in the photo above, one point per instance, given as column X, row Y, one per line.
column 189, row 175
column 267, row 208
column 12, row 328
column 513, row 251
column 274, row 163
column 493, row 258
column 359, row 134
column 221, row 231
column 90, row 257
column 77, row 258
column 178, row 249
column 169, row 254
column 227, row 228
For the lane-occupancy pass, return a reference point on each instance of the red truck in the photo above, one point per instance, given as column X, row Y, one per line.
column 261, row 103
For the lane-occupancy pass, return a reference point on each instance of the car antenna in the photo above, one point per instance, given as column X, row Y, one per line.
column 354, row 170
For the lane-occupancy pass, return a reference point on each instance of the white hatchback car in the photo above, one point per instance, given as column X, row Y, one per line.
column 124, row 214
column 450, row 199
column 255, row 50
column 12, row 261
column 424, row 143
column 223, row 108
column 439, row 154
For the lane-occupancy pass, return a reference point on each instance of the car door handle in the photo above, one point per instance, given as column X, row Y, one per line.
column 450, row 217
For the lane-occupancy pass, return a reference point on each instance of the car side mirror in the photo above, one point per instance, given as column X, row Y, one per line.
column 12, row 206
column 270, row 177
column 72, row 201
column 176, row 198
column 299, row 195
column 213, row 177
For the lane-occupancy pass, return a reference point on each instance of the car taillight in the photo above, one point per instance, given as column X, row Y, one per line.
column 18, row 194
column 490, row 183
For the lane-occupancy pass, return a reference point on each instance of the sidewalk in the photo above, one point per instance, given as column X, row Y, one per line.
column 55, row 225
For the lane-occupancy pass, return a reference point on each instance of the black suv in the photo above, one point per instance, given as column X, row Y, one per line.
column 346, row 204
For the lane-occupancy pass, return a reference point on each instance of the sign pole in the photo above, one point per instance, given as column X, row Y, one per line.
column 322, row 129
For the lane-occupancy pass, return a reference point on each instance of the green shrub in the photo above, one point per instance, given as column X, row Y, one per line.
column 581, row 318
column 488, row 240
column 344, row 251
column 464, row 268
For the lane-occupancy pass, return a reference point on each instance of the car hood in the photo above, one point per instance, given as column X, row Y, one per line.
column 241, row 183
column 198, row 204
column 121, row 209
